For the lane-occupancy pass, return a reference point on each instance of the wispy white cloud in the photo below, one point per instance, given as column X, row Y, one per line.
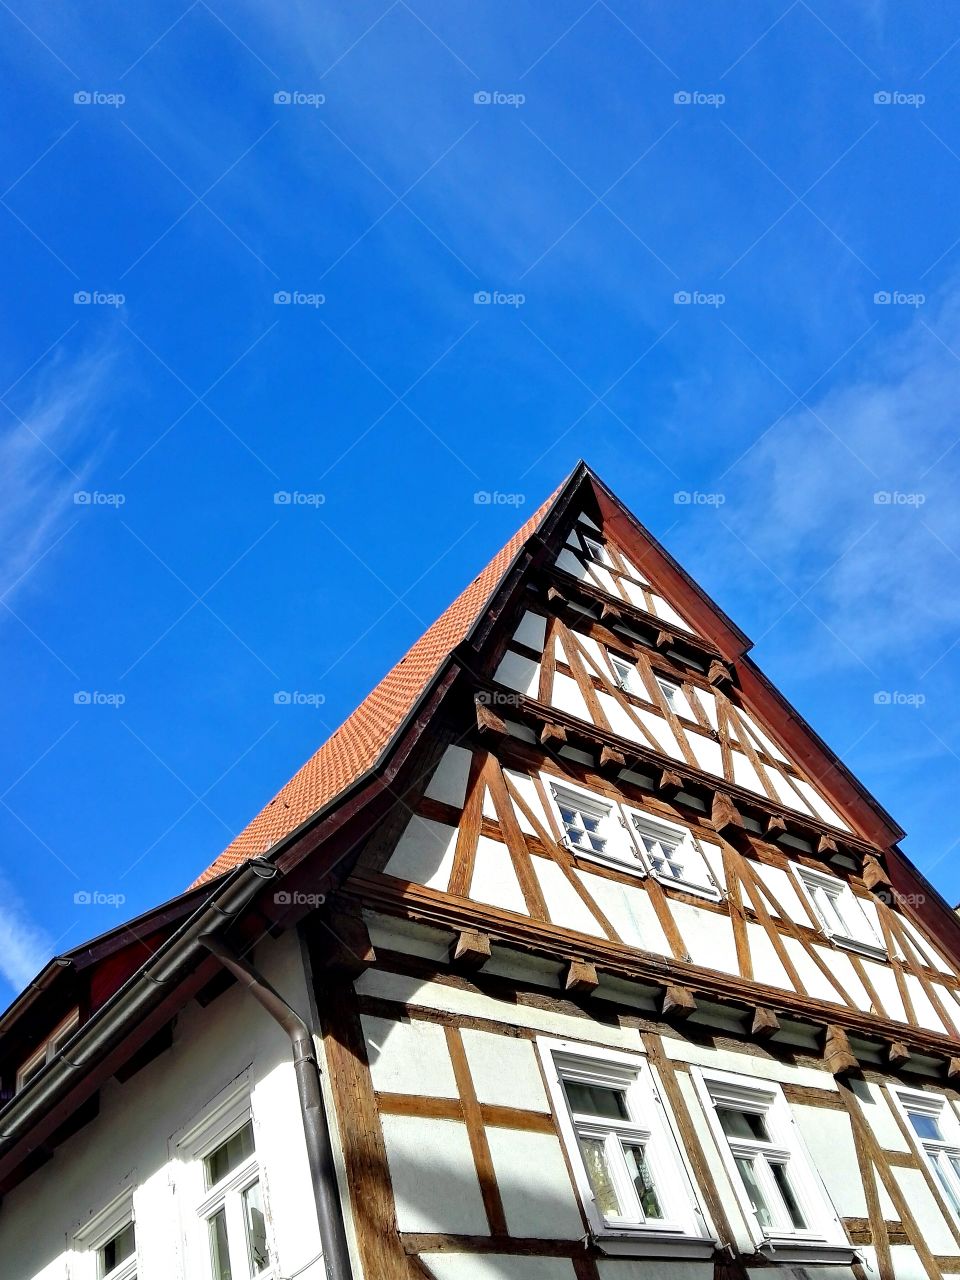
column 24, row 945
column 48, row 446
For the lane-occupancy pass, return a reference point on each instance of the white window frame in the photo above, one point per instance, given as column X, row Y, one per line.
column 687, row 1232
column 675, row 698
column 660, row 828
column 937, row 1154
column 200, row 1204
column 99, row 1231
column 561, row 792
column 824, row 1237
column 847, row 909
column 48, row 1050
column 590, row 541
column 630, row 682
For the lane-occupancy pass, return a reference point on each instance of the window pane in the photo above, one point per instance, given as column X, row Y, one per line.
column 117, row 1250
column 596, row 1100
column 639, row 1170
column 755, row 1195
column 256, row 1230
column 743, row 1124
column 229, row 1155
column 219, row 1249
column 926, row 1126
column 785, row 1188
column 950, row 1185
column 601, row 1181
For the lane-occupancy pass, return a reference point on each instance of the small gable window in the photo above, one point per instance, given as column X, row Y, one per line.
column 625, row 673
column 48, row 1050
column 838, row 910
column 671, row 695
column 595, row 550
column 669, row 853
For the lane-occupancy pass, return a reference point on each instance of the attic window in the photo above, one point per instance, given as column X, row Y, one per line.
column 625, row 672
column 839, row 911
column 595, row 550
column 671, row 856
column 671, row 694
column 48, row 1050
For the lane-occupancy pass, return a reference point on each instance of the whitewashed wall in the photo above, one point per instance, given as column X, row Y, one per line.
column 132, row 1144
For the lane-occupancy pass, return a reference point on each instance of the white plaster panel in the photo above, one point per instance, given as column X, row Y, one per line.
column 717, row 1169
column 604, row 580
column 925, row 1210
column 495, row 1266
column 748, row 1065
column 926, row 946
column 815, row 981
column 409, row 1057
column 569, row 563
column 665, row 610
column 567, row 697
column 629, row 910
column 494, row 879
column 661, row 732
column 876, row 1109
column 505, row 1070
column 838, row 962
column 535, row 1187
column 595, row 651
column 709, row 704
column 520, row 673
column 434, row 1178
column 449, row 781
column 819, row 805
column 431, row 995
column 632, row 569
column 564, row 905
column 661, row 1269
column 885, row 984
column 927, row 1015
column 634, row 594
column 528, row 793
column 806, row 1271
column 829, row 1138
column 744, row 774
column 714, row 856
column 531, row 630
column 708, row 937
column 765, row 959
column 620, row 720
column 424, row 853
column 906, row 1263
column 784, row 889
column 707, row 753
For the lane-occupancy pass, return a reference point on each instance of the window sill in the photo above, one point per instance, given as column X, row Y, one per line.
column 870, row 950
column 653, row 1244
column 785, row 1249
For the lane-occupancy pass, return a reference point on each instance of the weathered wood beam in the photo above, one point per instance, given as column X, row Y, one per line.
column 874, row 876
column 609, row 613
column 898, row 1054
column 724, row 814
column 765, row 1023
column 581, row 977
column 488, row 722
column 611, row 760
column 776, row 826
column 555, row 599
column 718, row 673
column 837, row 1054
column 827, row 845
column 551, row 733
column 346, row 947
column 665, row 639
column 470, row 949
column 669, row 783
column 678, row 1002
column 953, row 1069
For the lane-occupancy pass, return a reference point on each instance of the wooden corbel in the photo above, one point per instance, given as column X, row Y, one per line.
column 837, row 1054
column 611, row 760
column 555, row 599
column 898, row 1054
column 488, row 722
column 874, row 876
column 669, row 783
column 827, row 845
column 724, row 814
column 765, row 1023
column 776, row 826
column 678, row 1002
column 665, row 639
column 346, row 945
column 581, row 977
column 953, row 1069
column 610, row 614
column 470, row 949
column 718, row 673
column 552, row 733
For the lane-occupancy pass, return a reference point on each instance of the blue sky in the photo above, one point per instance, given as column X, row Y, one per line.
column 781, row 164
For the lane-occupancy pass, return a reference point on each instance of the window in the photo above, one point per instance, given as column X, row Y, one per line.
column 591, row 827
column 48, row 1050
column 627, row 1163
column 784, row 1201
column 226, row 1223
column 625, row 673
column 120, row 1249
column 669, row 854
column 841, row 916
column 595, row 549
column 671, row 694
column 936, row 1133
column 107, row 1244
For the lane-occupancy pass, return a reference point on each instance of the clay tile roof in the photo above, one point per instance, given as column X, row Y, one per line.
column 358, row 743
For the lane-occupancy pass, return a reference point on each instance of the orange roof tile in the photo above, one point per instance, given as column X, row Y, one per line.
column 358, row 743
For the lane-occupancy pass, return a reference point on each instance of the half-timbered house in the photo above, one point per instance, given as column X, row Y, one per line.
column 574, row 954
